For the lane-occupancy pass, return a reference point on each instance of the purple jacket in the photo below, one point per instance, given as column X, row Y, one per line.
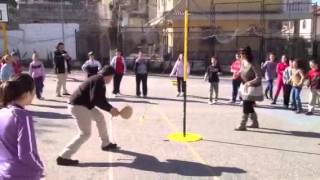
column 178, row 69
column 270, row 69
column 19, row 157
column 36, row 69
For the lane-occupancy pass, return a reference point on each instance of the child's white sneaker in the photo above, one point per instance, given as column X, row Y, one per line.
column 210, row 102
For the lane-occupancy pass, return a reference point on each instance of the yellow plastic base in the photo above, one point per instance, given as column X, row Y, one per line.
column 174, row 82
column 190, row 137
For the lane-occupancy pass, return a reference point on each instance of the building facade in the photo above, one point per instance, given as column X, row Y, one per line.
column 92, row 19
column 220, row 27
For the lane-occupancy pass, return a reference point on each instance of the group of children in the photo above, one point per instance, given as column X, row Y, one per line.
column 19, row 158
column 291, row 77
column 289, row 74
column 11, row 66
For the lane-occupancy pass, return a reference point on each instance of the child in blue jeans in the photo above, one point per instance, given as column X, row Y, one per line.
column 297, row 80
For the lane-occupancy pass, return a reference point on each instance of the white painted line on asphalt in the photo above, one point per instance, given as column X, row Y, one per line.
column 110, row 157
column 110, row 168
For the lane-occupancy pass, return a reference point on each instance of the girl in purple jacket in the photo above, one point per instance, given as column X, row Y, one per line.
column 19, row 158
column 178, row 70
column 37, row 71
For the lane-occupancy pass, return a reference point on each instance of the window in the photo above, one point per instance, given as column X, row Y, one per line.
column 304, row 24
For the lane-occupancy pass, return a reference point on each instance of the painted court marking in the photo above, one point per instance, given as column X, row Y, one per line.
column 110, row 157
column 192, row 150
column 165, row 118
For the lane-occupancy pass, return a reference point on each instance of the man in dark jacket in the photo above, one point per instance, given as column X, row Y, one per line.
column 83, row 103
column 61, row 67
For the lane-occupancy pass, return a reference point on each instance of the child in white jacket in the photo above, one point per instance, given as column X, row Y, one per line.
column 178, row 70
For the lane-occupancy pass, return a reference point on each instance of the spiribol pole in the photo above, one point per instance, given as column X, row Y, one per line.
column 184, row 136
column 185, row 65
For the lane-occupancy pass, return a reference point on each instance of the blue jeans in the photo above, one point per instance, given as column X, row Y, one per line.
column 39, row 86
column 296, row 100
column 269, row 89
column 235, row 88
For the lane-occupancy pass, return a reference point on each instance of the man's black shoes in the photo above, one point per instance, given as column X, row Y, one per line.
column 66, row 162
column 110, row 147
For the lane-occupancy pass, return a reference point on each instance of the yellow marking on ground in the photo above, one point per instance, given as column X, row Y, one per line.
column 194, row 153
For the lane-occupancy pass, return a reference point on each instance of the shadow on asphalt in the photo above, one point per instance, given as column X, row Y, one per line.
column 259, row 106
column 50, row 106
column 43, row 131
column 261, row 147
column 70, row 79
column 50, row 115
column 165, row 99
column 54, row 100
column 131, row 101
column 287, row 133
column 206, row 98
column 147, row 162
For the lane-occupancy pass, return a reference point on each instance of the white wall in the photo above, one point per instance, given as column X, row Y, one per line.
column 42, row 38
column 305, row 31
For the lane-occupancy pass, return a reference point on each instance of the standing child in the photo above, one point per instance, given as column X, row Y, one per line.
column 236, row 78
column 269, row 67
column 141, row 68
column 213, row 72
column 19, row 158
column 287, row 87
column 91, row 66
column 37, row 71
column 297, row 80
column 7, row 69
column 178, row 71
column 314, row 85
column 16, row 63
column 118, row 63
column 280, row 69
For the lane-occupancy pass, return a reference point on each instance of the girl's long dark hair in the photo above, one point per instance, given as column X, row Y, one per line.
column 14, row 88
column 248, row 53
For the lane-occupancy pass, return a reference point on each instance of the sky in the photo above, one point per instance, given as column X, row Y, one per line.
column 317, row 1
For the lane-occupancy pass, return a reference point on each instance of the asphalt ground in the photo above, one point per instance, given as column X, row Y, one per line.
column 285, row 147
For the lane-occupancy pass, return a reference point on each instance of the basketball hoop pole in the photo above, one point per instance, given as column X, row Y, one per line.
column 5, row 37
